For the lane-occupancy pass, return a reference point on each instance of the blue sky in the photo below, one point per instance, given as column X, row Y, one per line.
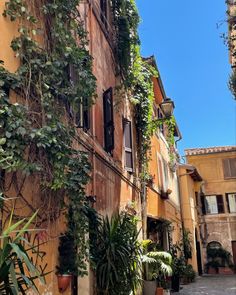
column 194, row 66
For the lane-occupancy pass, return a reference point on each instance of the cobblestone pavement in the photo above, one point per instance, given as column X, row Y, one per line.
column 211, row 285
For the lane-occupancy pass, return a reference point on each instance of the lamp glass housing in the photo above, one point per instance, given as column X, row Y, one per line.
column 167, row 107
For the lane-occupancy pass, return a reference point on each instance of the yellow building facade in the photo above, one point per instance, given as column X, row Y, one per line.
column 217, row 200
column 163, row 203
column 190, row 183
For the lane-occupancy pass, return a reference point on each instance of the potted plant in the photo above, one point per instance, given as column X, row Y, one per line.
column 67, row 261
column 189, row 274
column 165, row 194
column 178, row 267
column 156, row 267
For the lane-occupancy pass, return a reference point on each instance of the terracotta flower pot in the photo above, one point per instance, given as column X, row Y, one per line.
column 149, row 287
column 63, row 281
column 159, row 291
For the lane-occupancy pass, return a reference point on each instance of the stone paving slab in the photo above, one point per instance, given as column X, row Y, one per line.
column 211, row 285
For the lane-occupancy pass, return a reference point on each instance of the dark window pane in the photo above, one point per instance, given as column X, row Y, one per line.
column 220, row 204
column 108, row 120
column 203, row 204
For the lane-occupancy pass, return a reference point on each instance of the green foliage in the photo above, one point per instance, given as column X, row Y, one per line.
column 178, row 261
column 186, row 244
column 18, row 270
column 37, row 134
column 189, row 274
column 156, row 264
column 115, row 253
column 219, row 255
column 126, row 20
column 67, row 255
column 232, row 83
column 137, row 75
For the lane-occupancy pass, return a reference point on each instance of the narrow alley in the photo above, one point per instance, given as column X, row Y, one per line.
column 211, row 285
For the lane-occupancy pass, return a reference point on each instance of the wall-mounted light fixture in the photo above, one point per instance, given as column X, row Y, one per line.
column 167, row 107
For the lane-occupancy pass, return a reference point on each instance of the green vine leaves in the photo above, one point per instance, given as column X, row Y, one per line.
column 37, row 134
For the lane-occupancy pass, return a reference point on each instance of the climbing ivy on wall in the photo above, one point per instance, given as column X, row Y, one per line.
column 37, row 134
column 137, row 77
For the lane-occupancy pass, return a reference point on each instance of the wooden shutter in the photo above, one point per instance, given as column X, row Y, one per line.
column 232, row 164
column 128, row 145
column 160, row 172
column 229, row 168
column 220, row 204
column 103, row 7
column 108, row 120
column 203, row 205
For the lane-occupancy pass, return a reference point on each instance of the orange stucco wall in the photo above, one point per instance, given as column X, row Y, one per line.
column 157, row 207
column 111, row 184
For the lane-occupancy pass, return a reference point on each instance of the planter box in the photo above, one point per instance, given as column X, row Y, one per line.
column 212, row 271
column 225, row 271
column 159, row 291
column 149, row 287
column 221, row 271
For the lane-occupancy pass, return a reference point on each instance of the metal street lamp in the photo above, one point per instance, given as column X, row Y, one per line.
column 167, row 107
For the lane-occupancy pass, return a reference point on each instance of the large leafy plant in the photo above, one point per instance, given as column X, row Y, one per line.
column 116, row 254
column 18, row 271
column 156, row 264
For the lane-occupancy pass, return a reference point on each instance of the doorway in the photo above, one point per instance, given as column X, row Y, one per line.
column 199, row 257
column 234, row 251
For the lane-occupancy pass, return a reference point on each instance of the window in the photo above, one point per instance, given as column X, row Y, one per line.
column 231, row 201
column 212, row 204
column 82, row 119
column 103, row 7
column 128, row 145
column 108, row 121
column 229, row 167
column 160, row 116
column 163, row 174
column 82, row 113
column 166, row 175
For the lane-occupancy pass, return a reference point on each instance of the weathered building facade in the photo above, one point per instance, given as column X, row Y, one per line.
column 217, row 200
column 163, row 202
column 106, row 132
column 190, row 184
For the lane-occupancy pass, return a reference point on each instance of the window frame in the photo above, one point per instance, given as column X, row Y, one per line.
column 228, row 204
column 129, row 150
column 217, row 198
column 228, row 168
column 108, row 124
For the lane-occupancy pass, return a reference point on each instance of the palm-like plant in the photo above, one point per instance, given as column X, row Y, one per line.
column 18, row 272
column 156, row 264
column 116, row 255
